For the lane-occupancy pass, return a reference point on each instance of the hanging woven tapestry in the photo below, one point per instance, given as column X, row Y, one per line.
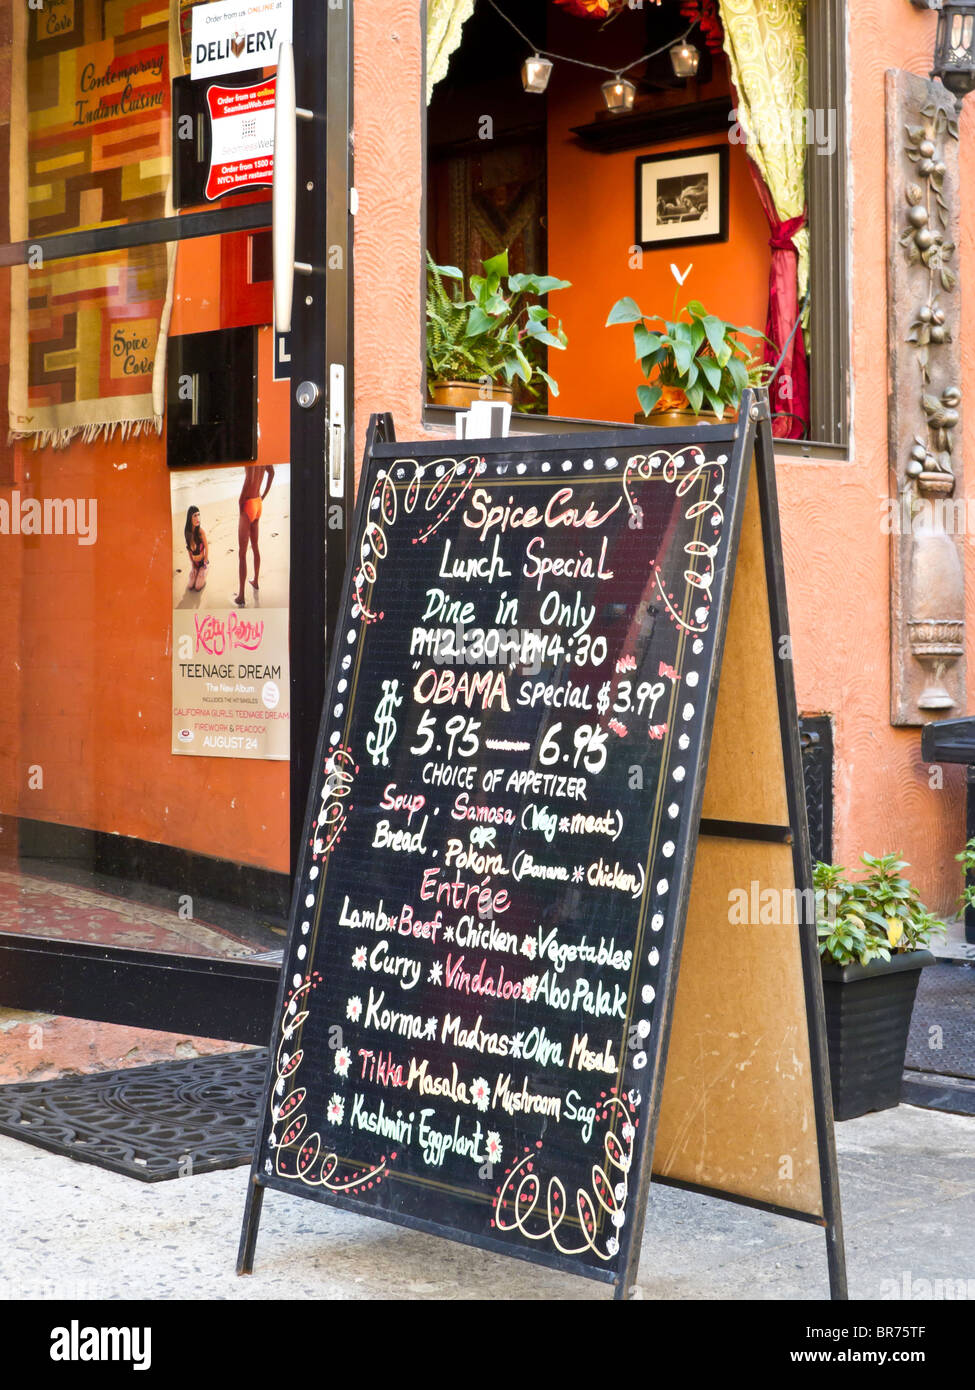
column 88, row 332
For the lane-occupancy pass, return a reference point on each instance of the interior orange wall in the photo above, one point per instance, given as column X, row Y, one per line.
column 211, row 289
column 590, row 237
column 591, row 230
column 196, row 289
column 94, row 663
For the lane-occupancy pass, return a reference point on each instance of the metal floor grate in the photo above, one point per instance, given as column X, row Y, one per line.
column 942, row 1037
column 940, row 1061
column 168, row 1120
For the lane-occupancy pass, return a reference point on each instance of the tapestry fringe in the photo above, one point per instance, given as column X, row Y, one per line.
column 90, row 434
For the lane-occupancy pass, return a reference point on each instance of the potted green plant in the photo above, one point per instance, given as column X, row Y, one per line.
column 873, row 934
column 695, row 364
column 478, row 346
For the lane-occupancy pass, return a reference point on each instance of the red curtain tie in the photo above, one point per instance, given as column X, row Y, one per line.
column 790, row 392
column 781, row 238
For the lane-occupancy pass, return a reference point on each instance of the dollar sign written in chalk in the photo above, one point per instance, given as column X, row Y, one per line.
column 602, row 699
column 378, row 742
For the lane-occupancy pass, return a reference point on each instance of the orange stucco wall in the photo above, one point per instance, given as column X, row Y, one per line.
column 388, row 294
column 837, row 554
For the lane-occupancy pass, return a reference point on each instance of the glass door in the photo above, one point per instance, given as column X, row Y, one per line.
column 175, row 485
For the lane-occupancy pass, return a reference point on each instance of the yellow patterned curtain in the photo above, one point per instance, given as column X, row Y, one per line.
column 445, row 23
column 766, row 46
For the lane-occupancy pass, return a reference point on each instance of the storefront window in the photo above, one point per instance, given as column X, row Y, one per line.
column 141, row 766
column 548, row 171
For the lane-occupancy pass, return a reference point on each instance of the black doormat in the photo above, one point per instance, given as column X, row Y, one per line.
column 168, row 1120
column 940, row 1063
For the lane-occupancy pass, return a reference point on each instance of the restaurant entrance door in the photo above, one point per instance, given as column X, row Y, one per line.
column 174, row 492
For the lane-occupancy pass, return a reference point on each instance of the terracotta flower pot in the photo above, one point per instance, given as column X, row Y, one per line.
column 463, row 394
column 673, row 411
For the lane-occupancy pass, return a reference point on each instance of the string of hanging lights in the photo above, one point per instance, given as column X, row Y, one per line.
column 619, row 92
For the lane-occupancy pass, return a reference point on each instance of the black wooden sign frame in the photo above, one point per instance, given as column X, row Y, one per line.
column 289, row 1140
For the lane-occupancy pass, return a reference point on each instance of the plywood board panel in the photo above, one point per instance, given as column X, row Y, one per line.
column 738, row 1107
column 737, row 1111
column 746, row 776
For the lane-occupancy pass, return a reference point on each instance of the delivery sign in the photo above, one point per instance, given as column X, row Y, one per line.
column 242, row 138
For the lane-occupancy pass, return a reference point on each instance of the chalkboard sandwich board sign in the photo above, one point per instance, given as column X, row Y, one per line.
column 513, row 836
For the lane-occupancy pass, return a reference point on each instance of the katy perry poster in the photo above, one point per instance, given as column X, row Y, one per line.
column 231, row 692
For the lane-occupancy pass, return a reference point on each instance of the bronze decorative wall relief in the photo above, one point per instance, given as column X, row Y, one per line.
column 927, row 511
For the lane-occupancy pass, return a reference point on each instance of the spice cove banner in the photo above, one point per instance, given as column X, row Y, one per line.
column 90, row 145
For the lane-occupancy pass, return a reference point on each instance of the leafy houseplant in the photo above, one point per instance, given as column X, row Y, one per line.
column 697, row 361
column 872, row 918
column 495, row 334
column 873, row 932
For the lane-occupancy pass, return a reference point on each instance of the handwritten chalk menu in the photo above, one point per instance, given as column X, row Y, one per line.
column 507, row 797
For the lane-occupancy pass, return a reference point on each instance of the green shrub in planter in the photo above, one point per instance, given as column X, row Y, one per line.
column 873, row 934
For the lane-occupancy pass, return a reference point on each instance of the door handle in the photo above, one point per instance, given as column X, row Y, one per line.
column 286, row 116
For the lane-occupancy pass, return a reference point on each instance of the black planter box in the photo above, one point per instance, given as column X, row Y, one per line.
column 868, row 1017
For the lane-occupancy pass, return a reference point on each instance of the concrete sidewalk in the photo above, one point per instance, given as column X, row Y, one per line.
column 74, row 1231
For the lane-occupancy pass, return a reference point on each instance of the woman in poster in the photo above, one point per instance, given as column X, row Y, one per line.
column 251, row 503
column 197, row 549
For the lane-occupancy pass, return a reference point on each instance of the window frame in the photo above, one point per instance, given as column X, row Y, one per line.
column 829, row 231
column 829, row 309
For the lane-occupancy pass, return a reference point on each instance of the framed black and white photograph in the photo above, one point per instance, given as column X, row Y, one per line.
column 682, row 197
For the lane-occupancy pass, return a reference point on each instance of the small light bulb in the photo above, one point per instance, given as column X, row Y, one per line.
column 535, row 73
column 684, row 59
column 619, row 94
